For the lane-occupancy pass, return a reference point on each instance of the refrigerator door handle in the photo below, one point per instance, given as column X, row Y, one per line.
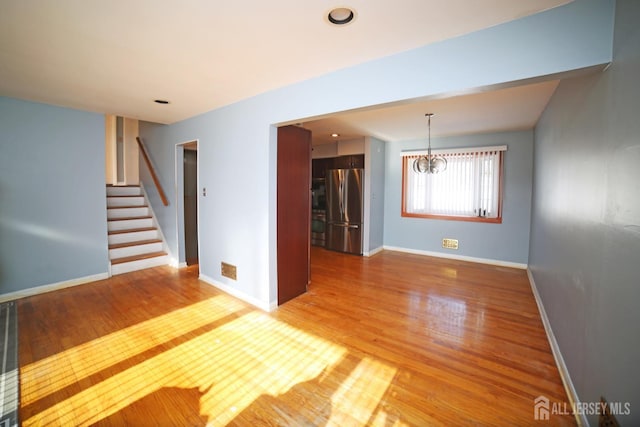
column 345, row 195
column 340, row 198
column 344, row 224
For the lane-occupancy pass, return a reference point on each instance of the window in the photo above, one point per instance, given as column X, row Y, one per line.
column 468, row 190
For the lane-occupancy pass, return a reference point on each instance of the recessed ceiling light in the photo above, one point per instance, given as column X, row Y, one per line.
column 160, row 101
column 341, row 16
column 335, row 135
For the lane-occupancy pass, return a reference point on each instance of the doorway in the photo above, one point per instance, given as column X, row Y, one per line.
column 121, row 150
column 191, row 205
column 187, row 202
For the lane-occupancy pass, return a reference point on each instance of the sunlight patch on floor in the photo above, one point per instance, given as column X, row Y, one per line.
column 361, row 393
column 232, row 365
column 241, row 366
column 53, row 373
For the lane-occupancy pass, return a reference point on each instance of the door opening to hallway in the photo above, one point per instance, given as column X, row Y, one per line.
column 190, row 163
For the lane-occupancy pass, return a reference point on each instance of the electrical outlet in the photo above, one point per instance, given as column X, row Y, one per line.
column 450, row 243
column 228, row 270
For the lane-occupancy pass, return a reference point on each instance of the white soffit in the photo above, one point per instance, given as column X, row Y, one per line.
column 514, row 108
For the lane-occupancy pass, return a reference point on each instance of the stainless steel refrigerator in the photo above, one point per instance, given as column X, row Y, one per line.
column 344, row 210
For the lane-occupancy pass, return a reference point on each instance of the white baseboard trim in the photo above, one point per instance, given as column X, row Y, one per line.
column 495, row 262
column 373, row 252
column 52, row 287
column 236, row 293
column 557, row 354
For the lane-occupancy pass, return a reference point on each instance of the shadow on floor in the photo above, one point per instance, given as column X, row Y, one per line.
column 169, row 406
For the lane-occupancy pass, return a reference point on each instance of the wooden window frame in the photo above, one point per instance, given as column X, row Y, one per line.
column 497, row 220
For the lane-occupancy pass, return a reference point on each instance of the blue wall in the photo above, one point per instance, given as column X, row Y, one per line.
column 585, row 229
column 237, row 151
column 53, row 221
column 507, row 242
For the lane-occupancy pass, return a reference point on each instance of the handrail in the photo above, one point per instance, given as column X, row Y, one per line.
column 154, row 176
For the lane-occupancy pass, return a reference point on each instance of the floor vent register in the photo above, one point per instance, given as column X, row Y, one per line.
column 9, row 373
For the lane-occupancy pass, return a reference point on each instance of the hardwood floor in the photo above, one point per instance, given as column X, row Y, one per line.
column 390, row 340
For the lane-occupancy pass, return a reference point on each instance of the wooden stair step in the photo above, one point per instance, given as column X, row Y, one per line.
column 127, row 207
column 139, row 242
column 132, row 230
column 137, row 257
column 124, row 195
column 130, row 218
column 116, row 186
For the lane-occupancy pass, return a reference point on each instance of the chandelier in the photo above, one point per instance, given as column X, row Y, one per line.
column 429, row 163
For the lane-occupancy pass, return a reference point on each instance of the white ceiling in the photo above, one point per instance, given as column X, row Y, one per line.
column 117, row 56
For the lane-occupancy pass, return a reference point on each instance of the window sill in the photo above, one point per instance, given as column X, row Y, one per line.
column 455, row 218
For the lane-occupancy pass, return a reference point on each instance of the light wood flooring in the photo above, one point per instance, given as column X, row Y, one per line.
column 390, row 340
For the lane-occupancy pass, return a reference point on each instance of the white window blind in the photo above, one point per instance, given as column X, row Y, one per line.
column 469, row 187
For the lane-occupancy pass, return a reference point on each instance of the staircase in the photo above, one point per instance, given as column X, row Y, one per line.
column 135, row 242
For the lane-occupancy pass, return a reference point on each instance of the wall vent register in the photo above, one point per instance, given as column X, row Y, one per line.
column 228, row 270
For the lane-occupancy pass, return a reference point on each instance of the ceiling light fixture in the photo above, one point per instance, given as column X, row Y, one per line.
column 160, row 101
column 341, row 16
column 335, row 135
column 429, row 163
